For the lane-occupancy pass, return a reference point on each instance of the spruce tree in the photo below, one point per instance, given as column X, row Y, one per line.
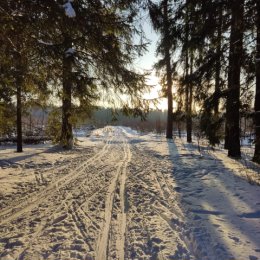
column 14, row 38
column 234, row 70
column 256, row 157
column 21, row 72
column 90, row 46
column 160, row 17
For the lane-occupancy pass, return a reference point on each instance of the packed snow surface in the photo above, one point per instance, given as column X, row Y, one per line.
column 123, row 195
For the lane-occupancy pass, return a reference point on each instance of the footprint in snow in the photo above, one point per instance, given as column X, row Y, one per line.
column 252, row 257
column 236, row 239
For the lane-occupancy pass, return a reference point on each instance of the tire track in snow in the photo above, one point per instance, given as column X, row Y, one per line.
column 118, row 205
column 13, row 212
column 72, row 209
column 108, row 237
column 155, row 209
column 65, row 197
column 122, row 223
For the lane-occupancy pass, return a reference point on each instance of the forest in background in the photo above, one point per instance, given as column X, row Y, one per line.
column 82, row 52
column 42, row 124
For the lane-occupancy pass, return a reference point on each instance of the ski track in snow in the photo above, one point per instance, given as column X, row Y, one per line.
column 136, row 198
column 111, row 228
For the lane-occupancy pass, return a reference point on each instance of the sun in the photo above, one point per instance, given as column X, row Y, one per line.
column 155, row 92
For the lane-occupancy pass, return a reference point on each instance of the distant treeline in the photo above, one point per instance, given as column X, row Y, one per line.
column 154, row 121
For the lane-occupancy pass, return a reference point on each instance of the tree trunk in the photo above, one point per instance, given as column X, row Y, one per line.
column 226, row 135
column 19, row 83
column 19, row 147
column 188, row 85
column 168, row 71
column 218, row 63
column 189, row 105
column 66, row 139
column 256, row 157
column 233, row 98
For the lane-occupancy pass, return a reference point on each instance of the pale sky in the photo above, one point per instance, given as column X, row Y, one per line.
column 147, row 61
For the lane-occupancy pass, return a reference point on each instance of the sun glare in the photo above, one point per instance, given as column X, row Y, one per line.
column 155, row 93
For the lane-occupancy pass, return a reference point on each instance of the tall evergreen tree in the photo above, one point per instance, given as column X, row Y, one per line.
column 235, row 61
column 91, row 46
column 168, row 68
column 188, row 68
column 209, row 74
column 162, row 23
column 15, row 35
column 256, row 157
column 218, row 45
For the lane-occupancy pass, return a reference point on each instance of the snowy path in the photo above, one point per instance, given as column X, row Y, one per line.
column 223, row 206
column 127, row 196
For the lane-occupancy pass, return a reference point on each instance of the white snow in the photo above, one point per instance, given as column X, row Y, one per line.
column 70, row 52
column 69, row 10
column 124, row 195
column 45, row 43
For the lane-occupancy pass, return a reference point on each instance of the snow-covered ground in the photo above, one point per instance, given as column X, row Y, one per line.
column 122, row 195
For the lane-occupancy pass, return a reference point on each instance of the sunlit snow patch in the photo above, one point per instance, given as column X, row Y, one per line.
column 69, row 52
column 69, row 10
column 45, row 43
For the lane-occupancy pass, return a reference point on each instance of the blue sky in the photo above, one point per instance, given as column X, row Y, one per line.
column 148, row 59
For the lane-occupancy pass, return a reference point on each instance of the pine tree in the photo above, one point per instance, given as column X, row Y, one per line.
column 168, row 69
column 209, row 72
column 235, row 60
column 188, row 68
column 160, row 17
column 13, row 33
column 19, row 70
column 218, row 45
column 90, row 46
column 256, row 157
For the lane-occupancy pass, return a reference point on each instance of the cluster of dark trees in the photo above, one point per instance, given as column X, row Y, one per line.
column 211, row 51
column 155, row 120
column 73, row 50
column 69, row 51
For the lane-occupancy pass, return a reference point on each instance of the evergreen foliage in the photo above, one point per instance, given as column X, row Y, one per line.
column 213, row 50
column 74, row 50
column 81, row 52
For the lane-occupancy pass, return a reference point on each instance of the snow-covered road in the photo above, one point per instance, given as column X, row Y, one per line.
column 119, row 196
